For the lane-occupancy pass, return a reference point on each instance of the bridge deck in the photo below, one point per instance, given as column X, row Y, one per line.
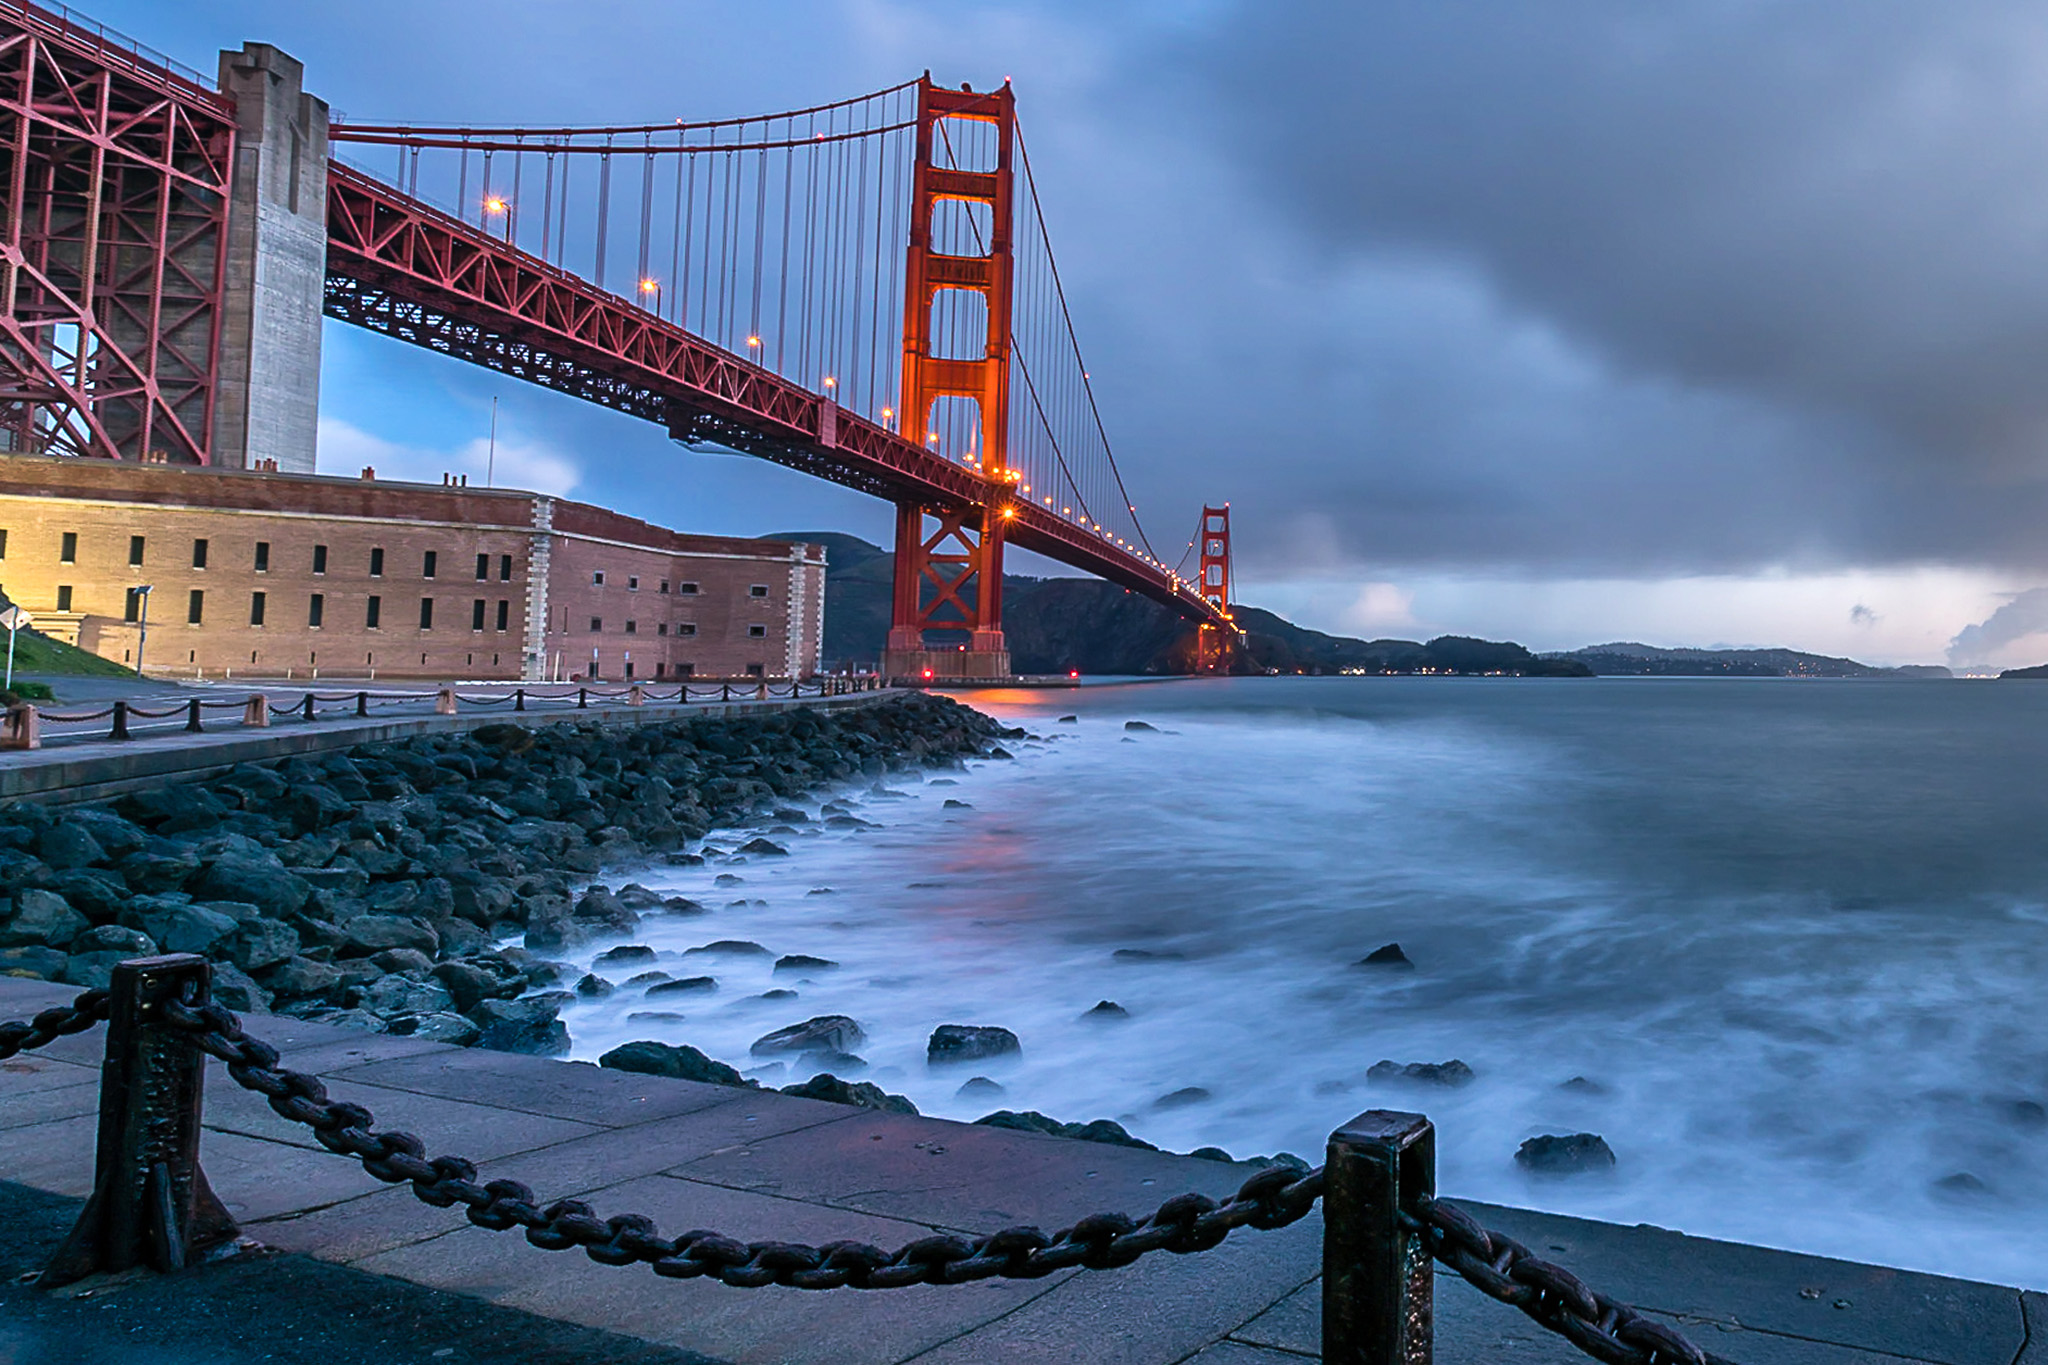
column 763, row 1165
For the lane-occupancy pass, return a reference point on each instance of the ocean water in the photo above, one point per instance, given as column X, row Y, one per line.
column 1796, row 933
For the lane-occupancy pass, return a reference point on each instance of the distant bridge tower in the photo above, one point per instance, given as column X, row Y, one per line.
column 1215, row 545
column 951, row 577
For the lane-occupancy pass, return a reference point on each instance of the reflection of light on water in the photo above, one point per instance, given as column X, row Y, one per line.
column 1776, row 1068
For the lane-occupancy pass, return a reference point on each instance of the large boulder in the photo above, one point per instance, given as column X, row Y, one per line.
column 113, row 938
column 40, row 919
column 528, row 1025
column 970, row 1043
column 258, row 943
column 1565, row 1154
column 392, row 995
column 864, row 1094
column 826, row 1033
column 297, row 978
column 261, row 881
column 681, row 1063
column 1452, row 1074
column 174, row 809
column 156, row 870
column 367, row 934
column 438, row 1028
column 67, row 845
column 180, row 928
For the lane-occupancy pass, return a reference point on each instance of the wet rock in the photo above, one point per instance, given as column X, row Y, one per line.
column 1068, row 720
column 261, row 881
column 777, row 994
column 626, row 953
column 258, row 943
column 41, row 919
column 179, row 928
column 153, row 871
column 594, row 987
column 1452, row 1073
column 655, row 1017
column 637, row 897
column 1105, row 1011
column 681, row 1063
column 362, row 1021
column 804, row 962
column 865, row 1094
column 392, row 995
column 442, row 1027
column 68, row 845
column 766, row 848
column 1579, row 1085
column 237, row 990
column 952, row 804
column 38, row 963
column 682, row 905
column 467, row 983
column 2030, row 1114
column 369, row 934
column 298, row 978
column 403, row 960
column 646, row 979
column 1031, row 1121
column 688, row 985
column 1211, row 1154
column 729, row 947
column 1140, row 725
column 526, row 1026
column 979, row 1087
column 1388, row 956
column 112, row 938
column 727, row 879
column 1961, row 1185
column 1182, row 1098
column 826, row 1033
column 969, row 1043
column 1145, row 955
column 1568, row 1154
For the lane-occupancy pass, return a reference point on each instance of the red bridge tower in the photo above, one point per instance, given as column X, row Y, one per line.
column 950, row 577
column 1214, row 644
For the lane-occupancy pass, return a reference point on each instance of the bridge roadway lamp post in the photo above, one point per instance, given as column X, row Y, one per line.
column 142, row 626
column 651, row 287
column 14, row 618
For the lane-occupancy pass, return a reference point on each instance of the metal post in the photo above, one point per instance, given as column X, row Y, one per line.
column 725, row 691
column 308, row 706
column 582, row 699
column 1377, row 1304
column 362, row 704
column 120, row 730
column 192, row 716
column 151, row 1204
column 518, row 699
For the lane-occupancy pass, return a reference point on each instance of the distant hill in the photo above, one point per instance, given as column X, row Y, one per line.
column 1059, row 624
column 1629, row 659
column 2037, row 671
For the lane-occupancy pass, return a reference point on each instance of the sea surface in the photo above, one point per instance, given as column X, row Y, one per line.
column 1794, row 932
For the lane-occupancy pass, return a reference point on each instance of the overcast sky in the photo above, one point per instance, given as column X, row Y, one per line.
column 1702, row 322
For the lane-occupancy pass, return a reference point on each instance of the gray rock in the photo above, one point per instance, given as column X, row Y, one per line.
column 237, row 990
column 181, row 928
column 804, row 962
column 679, row 1063
column 645, row 979
column 150, row 871
column 370, row 934
column 594, row 987
column 298, row 978
column 952, row 804
column 826, row 1033
column 637, row 897
column 394, row 898
column 1388, row 957
column 261, row 881
column 93, row 971
column 438, row 1028
column 688, row 985
column 1140, row 725
column 403, row 960
column 1568, row 1154
column 969, row 1043
column 528, row 1026
column 41, row 919
column 260, row 943
column 467, row 983
column 1579, row 1085
column 1181, row 1098
column 36, row 963
column 1452, row 1073
column 1106, row 1011
column 625, row 953
column 392, row 995
column 729, row 947
column 979, row 1087
column 863, row 1094
column 361, row 1020
column 112, row 938
column 68, row 845
column 764, row 847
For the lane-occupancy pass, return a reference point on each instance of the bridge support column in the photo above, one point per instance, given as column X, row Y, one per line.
column 268, row 399
column 950, row 579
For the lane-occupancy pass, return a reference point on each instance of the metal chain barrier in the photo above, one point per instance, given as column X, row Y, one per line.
column 1501, row 1268
column 84, row 1012
column 1492, row 1262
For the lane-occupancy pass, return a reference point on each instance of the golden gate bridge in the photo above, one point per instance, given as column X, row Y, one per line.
column 863, row 290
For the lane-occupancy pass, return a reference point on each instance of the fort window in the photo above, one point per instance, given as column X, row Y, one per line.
column 131, row 609
column 758, row 590
column 685, row 670
column 262, row 556
column 596, row 624
column 504, row 614
column 135, row 551
column 377, row 562
column 504, row 568
column 597, row 578
column 664, row 585
column 316, row 610
column 633, row 583
column 686, row 628
column 256, row 604
column 632, row 627
column 687, row 589
column 67, row 548
column 63, row 597
column 483, row 566
column 198, row 554
column 476, row 614
column 427, row 563
column 426, row 613
column 195, row 608
column 3, row 545
column 757, row 632
column 661, row 629
column 755, row 670
column 319, row 559
column 373, row 612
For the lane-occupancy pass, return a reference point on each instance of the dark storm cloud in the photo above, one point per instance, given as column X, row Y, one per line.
column 1796, row 253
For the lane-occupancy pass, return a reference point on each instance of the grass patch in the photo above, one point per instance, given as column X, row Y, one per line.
column 38, row 653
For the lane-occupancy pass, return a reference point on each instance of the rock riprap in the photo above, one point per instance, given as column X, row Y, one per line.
column 969, row 1043
column 378, row 886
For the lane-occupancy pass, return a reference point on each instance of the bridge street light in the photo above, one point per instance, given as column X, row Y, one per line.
column 653, row 287
column 142, row 592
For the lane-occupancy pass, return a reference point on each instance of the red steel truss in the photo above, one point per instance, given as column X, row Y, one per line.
column 398, row 266
column 114, row 176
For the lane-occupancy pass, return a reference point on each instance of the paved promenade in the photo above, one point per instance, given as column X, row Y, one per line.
column 759, row 1165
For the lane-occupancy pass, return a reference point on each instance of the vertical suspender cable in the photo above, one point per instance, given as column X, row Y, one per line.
column 646, row 210
column 782, row 270
column 604, row 210
column 677, row 224
column 547, row 209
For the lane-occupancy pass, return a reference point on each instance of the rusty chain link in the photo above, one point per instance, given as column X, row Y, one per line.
column 84, row 1011
column 1492, row 1262
column 1501, row 1268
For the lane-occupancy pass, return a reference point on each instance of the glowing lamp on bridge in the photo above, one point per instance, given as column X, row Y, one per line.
column 651, row 288
column 831, row 382
column 494, row 205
